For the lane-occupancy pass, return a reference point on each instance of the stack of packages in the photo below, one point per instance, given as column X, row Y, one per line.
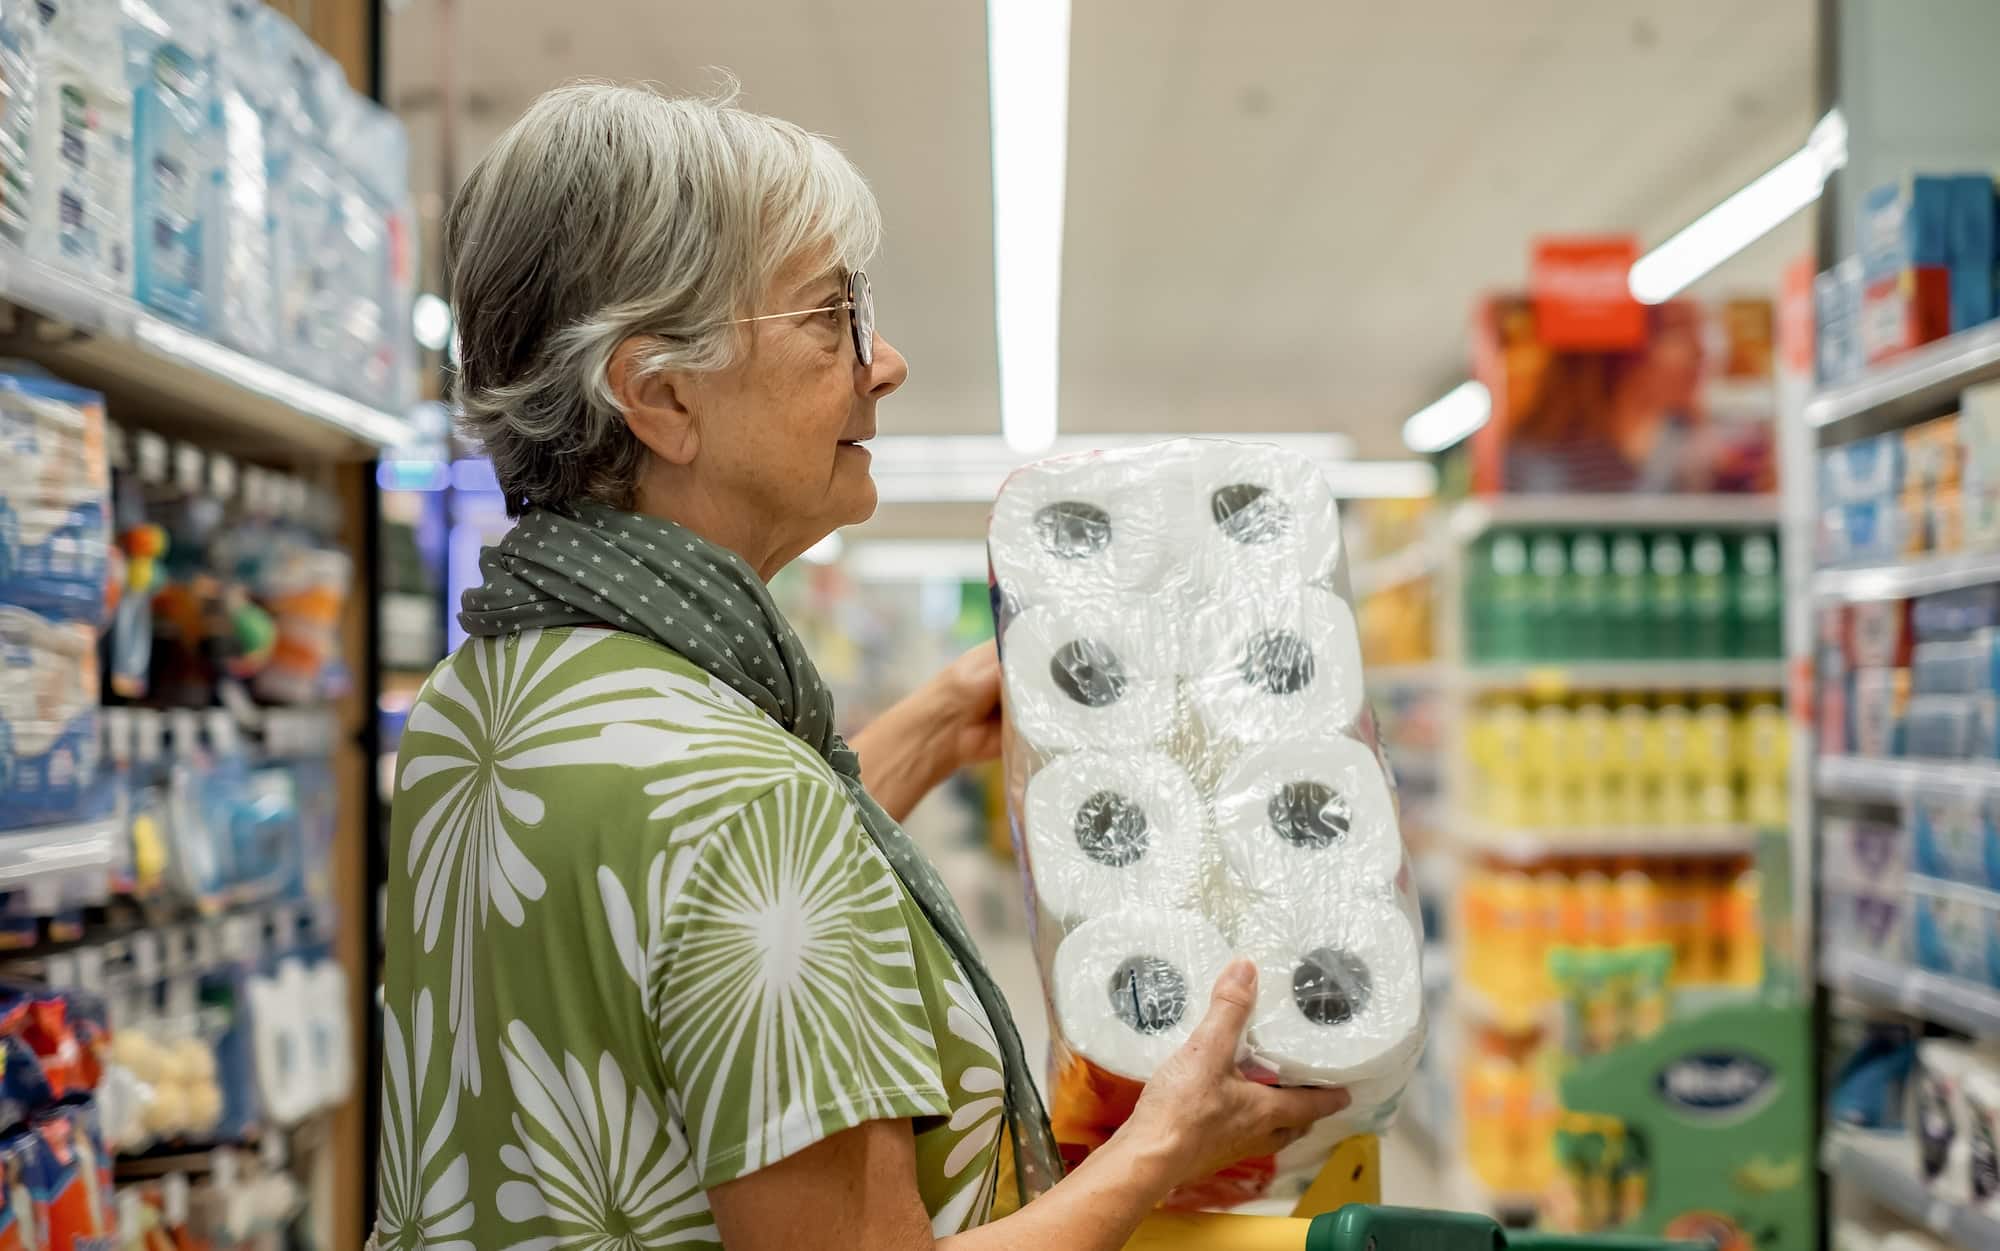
column 1192, row 775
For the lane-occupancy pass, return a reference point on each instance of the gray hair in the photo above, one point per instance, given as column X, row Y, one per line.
column 612, row 211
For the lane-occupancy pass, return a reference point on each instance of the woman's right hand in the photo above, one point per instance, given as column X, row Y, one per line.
column 1200, row 1107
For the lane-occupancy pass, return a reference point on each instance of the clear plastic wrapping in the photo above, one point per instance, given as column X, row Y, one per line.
column 1193, row 775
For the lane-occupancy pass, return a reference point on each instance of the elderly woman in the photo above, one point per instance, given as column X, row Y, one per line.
column 662, row 969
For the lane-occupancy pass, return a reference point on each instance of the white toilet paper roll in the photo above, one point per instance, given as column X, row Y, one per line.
column 1130, row 987
column 1098, row 675
column 1079, row 527
column 1109, row 831
column 1311, row 821
column 1340, row 994
column 1275, row 667
column 1258, row 514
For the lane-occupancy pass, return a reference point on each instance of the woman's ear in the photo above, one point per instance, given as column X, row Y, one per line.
column 653, row 403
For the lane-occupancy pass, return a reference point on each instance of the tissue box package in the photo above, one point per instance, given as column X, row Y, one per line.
column 1193, row 776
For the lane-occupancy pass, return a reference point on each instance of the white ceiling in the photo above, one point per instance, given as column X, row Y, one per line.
column 1279, row 213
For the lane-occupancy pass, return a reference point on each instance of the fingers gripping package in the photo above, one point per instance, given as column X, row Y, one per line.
column 1192, row 776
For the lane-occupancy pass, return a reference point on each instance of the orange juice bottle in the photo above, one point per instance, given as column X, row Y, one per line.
column 1742, row 960
column 1478, row 923
column 1683, row 920
column 1552, row 892
column 1514, row 939
column 1483, row 1103
column 1594, row 902
column 1638, row 906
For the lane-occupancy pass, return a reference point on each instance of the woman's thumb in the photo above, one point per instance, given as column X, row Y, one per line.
column 1229, row 1005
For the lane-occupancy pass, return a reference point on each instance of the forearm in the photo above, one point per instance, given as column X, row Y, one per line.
column 1096, row 1208
column 903, row 755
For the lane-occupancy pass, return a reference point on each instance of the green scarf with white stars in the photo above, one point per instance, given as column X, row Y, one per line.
column 590, row 565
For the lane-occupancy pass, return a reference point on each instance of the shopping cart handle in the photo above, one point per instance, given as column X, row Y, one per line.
column 1372, row 1227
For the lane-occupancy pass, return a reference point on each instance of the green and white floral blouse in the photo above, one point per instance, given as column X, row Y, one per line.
column 638, row 945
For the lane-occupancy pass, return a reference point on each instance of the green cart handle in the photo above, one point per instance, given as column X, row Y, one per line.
column 1372, row 1227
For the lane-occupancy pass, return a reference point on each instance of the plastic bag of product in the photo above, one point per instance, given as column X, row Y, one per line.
column 20, row 53
column 54, row 499
column 1192, row 775
column 237, row 254
column 80, row 149
column 169, row 52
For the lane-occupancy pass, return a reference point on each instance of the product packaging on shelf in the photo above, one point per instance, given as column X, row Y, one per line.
column 170, row 51
column 1955, row 931
column 1192, row 775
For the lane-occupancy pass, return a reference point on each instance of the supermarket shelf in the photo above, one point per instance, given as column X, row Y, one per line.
column 1916, row 384
column 1425, row 673
column 161, row 375
column 1530, row 845
column 1700, row 675
column 1906, row 578
column 1943, row 1000
column 41, row 855
column 1881, row 1167
column 1624, row 511
column 1872, row 780
column 1419, row 559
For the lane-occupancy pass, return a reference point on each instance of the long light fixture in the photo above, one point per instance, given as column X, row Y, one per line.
column 1449, row 418
column 962, row 469
column 1744, row 217
column 1027, row 47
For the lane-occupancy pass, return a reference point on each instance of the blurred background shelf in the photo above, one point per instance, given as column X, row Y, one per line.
column 1884, row 1169
column 1624, row 675
column 1918, row 992
column 1921, row 576
column 1865, row 779
column 1471, row 519
column 1915, row 383
column 187, row 384
column 1526, row 846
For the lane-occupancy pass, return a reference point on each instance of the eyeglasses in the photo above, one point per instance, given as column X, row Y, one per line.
column 860, row 306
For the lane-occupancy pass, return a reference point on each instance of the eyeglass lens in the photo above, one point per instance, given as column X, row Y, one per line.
column 862, row 317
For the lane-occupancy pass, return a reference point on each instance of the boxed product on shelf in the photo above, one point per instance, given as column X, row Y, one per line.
column 1955, row 614
column 54, row 499
column 1863, row 471
column 1837, row 323
column 1880, row 710
column 170, row 50
column 1951, row 1121
column 1952, row 836
column 1876, row 633
column 1867, row 921
column 48, row 720
column 1872, row 532
column 78, row 161
column 1955, row 930
column 1857, row 852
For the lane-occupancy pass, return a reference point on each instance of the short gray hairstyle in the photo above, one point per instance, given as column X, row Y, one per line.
column 608, row 211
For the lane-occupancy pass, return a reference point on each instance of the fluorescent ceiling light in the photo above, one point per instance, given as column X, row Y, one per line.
column 1452, row 417
column 1027, row 48
column 1744, row 217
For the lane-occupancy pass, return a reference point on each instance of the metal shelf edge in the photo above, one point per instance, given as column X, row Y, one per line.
column 1871, row 779
column 1917, row 992
column 1931, row 372
column 1920, row 576
column 1867, row 1166
column 1474, row 517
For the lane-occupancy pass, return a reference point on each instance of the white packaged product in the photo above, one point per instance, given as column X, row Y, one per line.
column 1064, row 530
column 1108, row 831
column 1130, row 987
column 1308, row 820
column 1192, row 772
column 1093, row 674
column 242, row 301
column 169, row 52
column 1258, row 516
column 1276, row 665
column 80, row 154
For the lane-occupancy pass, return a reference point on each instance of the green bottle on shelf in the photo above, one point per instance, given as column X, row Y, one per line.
column 1507, row 599
column 1625, row 599
column 1759, row 598
column 1667, row 597
column 1707, row 597
column 1589, row 593
column 1548, row 630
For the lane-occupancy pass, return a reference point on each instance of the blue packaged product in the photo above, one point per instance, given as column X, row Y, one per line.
column 1869, row 1086
column 49, row 748
column 168, row 51
column 1927, row 220
column 1955, row 614
column 1952, row 838
column 1881, row 239
column 1869, row 532
column 1974, row 249
column 1956, row 932
column 1938, row 727
column 54, row 499
column 1864, row 471
column 1837, row 323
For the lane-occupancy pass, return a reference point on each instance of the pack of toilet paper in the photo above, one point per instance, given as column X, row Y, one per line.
column 1192, row 776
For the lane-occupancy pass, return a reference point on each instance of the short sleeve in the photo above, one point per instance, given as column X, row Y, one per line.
column 787, row 1003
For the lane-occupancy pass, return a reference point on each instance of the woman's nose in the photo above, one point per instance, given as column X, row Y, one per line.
column 887, row 373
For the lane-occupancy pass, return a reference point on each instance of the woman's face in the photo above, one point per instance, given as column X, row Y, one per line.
column 778, row 434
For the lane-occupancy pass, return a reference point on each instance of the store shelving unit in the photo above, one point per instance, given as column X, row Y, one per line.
column 1899, row 987
column 159, row 377
column 1883, row 1171
column 1922, row 384
column 1465, row 683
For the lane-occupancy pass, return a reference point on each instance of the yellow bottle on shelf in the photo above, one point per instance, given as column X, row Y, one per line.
column 1628, row 784
column 1668, row 758
column 1765, row 753
column 1483, row 1104
column 1507, row 784
column 1712, row 760
column 1592, row 764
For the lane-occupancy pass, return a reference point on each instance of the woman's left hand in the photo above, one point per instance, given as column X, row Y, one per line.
column 949, row 722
